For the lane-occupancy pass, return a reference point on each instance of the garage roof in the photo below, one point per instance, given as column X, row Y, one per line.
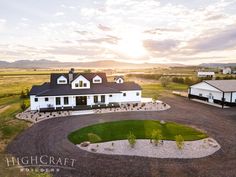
column 223, row 85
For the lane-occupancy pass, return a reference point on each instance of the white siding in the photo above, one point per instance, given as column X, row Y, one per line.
column 77, row 81
column 204, row 86
column 131, row 96
column 205, row 90
column 41, row 103
column 234, row 97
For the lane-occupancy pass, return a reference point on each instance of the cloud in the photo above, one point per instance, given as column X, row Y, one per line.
column 158, row 30
column 107, row 39
column 221, row 40
column 75, row 50
column 82, row 32
column 2, row 24
column 104, row 28
column 59, row 14
column 215, row 17
column 160, row 46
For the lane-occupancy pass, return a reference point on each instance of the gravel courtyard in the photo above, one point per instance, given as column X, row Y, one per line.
column 50, row 137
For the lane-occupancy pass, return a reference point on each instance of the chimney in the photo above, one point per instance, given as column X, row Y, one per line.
column 71, row 74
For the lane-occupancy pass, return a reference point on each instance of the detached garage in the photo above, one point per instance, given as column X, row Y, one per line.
column 215, row 91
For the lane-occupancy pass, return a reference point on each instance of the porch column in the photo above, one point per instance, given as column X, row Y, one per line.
column 223, row 100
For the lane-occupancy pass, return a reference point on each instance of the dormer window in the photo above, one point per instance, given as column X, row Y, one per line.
column 80, row 83
column 62, row 80
column 97, row 79
column 119, row 80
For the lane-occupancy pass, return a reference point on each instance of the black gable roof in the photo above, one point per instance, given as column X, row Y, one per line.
column 54, row 89
column 88, row 76
column 38, row 89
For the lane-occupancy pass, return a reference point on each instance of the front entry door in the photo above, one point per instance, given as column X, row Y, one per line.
column 210, row 98
column 81, row 100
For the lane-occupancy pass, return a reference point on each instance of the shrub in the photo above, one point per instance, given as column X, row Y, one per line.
column 188, row 81
column 94, row 138
column 179, row 141
column 154, row 98
column 22, row 94
column 156, row 136
column 131, row 139
column 165, row 81
column 179, row 80
column 23, row 106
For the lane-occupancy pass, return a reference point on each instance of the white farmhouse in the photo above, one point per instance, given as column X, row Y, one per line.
column 227, row 70
column 205, row 74
column 67, row 91
column 215, row 91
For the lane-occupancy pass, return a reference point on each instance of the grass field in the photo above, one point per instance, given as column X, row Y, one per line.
column 142, row 129
column 12, row 82
column 156, row 89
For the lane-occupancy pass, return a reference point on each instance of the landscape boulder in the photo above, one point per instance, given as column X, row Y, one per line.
column 85, row 144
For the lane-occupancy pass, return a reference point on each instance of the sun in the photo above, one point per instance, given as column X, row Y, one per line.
column 131, row 45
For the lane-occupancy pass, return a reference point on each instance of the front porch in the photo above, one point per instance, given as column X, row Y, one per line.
column 80, row 107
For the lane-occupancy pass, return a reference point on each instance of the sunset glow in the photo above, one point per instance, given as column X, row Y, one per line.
column 188, row 32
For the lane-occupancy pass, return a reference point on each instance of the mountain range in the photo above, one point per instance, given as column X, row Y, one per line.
column 110, row 64
column 93, row 64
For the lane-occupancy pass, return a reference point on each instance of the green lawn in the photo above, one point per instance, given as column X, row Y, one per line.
column 149, row 90
column 142, row 129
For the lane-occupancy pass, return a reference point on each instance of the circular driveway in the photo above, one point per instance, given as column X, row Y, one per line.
column 50, row 137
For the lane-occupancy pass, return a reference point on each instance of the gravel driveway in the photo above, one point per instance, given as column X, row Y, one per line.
column 50, row 137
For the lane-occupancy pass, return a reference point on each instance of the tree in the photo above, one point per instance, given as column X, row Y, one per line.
column 179, row 141
column 23, row 106
column 165, row 81
column 154, row 98
column 27, row 92
column 188, row 81
column 22, row 94
column 87, row 71
column 131, row 139
column 156, row 136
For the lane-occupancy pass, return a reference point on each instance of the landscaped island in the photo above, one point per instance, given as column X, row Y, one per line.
column 148, row 138
column 142, row 129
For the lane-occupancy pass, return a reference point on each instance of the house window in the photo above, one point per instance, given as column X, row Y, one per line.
column 62, row 81
column 76, row 85
column 66, row 100
column 103, row 98
column 46, row 99
column 124, row 94
column 95, row 99
column 137, row 93
column 110, row 95
column 97, row 80
column 58, row 101
column 80, row 83
column 36, row 99
column 85, row 84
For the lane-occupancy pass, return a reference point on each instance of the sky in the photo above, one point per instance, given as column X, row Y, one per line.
column 137, row 31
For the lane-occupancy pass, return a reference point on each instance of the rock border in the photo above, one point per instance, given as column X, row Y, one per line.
column 167, row 149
